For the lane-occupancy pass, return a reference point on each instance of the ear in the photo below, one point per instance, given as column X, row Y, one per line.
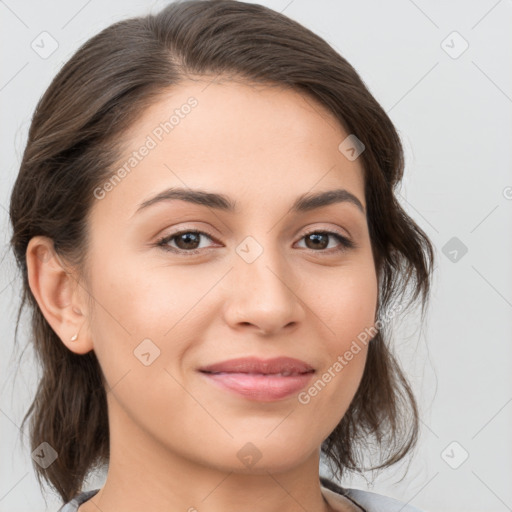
column 57, row 291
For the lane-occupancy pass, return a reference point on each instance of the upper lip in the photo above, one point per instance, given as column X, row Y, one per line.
column 256, row 365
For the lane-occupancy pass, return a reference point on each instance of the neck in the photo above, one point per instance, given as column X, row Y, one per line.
column 145, row 475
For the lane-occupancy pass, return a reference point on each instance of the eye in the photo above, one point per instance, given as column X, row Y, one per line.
column 318, row 240
column 188, row 241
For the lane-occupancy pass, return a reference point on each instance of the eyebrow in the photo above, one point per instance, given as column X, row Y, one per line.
column 303, row 203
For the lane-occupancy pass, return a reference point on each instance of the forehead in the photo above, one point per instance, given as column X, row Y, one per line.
column 242, row 140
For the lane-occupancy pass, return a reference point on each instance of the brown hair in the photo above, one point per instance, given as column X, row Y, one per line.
column 73, row 142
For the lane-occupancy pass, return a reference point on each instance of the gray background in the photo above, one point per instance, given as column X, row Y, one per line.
column 453, row 112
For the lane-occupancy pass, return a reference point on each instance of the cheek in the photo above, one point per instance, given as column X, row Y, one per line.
column 130, row 307
column 145, row 316
column 353, row 321
column 140, row 299
column 133, row 328
column 344, row 299
column 346, row 310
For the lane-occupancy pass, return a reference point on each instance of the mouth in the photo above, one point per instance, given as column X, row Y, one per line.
column 279, row 374
column 283, row 366
column 260, row 380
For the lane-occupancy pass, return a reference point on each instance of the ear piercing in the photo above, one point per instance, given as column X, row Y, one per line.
column 75, row 336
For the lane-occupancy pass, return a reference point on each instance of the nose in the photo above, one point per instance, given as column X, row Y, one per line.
column 262, row 295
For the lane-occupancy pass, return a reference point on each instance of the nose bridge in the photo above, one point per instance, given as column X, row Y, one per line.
column 263, row 284
column 261, row 264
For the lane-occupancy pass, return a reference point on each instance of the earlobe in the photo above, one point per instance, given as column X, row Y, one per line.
column 55, row 290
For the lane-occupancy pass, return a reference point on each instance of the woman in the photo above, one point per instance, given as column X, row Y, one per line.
column 210, row 244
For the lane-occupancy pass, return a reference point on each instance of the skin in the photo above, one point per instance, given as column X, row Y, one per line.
column 174, row 436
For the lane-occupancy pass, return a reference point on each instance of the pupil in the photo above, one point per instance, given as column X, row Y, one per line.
column 189, row 238
column 315, row 238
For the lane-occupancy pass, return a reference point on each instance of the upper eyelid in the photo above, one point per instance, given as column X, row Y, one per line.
column 343, row 231
column 207, row 233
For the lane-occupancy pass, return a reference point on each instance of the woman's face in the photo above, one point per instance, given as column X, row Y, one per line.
column 255, row 282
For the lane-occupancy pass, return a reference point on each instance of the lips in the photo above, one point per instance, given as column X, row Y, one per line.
column 262, row 380
column 284, row 366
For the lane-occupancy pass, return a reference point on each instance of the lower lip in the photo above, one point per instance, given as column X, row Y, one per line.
column 264, row 388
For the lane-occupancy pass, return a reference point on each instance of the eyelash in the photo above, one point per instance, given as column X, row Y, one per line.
column 346, row 244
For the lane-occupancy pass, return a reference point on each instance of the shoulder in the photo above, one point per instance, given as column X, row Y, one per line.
column 72, row 506
column 365, row 500
column 374, row 502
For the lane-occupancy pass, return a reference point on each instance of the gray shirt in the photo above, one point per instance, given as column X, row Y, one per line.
column 363, row 501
